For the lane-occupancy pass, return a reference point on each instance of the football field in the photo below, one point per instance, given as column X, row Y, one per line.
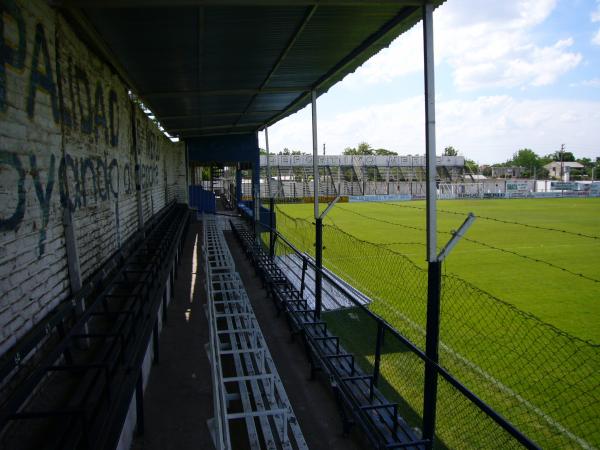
column 520, row 310
column 540, row 255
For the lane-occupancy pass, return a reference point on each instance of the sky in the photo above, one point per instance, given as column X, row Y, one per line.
column 509, row 75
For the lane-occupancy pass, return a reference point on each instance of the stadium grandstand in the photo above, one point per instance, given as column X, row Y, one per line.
column 153, row 296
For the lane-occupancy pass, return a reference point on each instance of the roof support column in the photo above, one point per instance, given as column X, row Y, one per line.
column 268, row 162
column 238, row 185
column 315, row 153
column 434, row 265
column 318, row 219
column 256, row 188
column 430, row 157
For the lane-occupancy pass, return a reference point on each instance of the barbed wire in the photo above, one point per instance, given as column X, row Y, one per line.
column 483, row 244
column 398, row 243
column 544, row 380
column 494, row 219
column 454, row 276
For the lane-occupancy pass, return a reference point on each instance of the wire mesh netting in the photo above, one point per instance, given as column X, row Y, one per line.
column 544, row 381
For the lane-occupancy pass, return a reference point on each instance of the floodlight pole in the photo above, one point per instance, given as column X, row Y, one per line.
column 318, row 219
column 434, row 265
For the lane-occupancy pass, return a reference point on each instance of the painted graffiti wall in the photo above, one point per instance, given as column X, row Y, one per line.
column 71, row 141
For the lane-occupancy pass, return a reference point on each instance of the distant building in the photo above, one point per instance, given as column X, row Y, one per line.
column 507, row 172
column 562, row 170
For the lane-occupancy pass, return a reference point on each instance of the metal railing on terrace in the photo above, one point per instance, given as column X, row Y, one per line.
column 394, row 359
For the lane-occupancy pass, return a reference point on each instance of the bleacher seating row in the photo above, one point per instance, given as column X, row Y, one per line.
column 246, row 385
column 359, row 398
column 76, row 389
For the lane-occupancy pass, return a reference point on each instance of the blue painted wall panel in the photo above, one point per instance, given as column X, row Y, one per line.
column 227, row 149
column 202, row 200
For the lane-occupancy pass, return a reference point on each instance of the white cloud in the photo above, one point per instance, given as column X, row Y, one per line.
column 486, row 129
column 596, row 38
column 485, row 47
column 593, row 82
column 399, row 59
column 595, row 15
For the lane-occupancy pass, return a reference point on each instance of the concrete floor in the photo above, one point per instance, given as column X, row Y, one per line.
column 178, row 399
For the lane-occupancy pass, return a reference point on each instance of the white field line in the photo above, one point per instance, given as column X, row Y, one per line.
column 584, row 444
column 549, row 420
column 518, row 247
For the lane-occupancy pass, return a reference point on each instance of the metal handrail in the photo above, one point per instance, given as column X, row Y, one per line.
column 471, row 396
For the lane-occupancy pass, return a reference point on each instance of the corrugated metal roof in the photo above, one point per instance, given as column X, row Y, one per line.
column 219, row 67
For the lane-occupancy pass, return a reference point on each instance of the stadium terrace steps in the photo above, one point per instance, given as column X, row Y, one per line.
column 359, row 399
column 246, row 386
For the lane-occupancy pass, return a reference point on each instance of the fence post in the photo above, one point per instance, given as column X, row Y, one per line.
column 271, row 224
column 319, row 264
column 378, row 345
column 304, row 267
column 432, row 349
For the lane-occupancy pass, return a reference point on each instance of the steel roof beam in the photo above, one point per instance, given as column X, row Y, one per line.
column 211, row 133
column 175, row 3
column 250, row 126
column 200, row 43
column 349, row 59
column 216, row 92
column 308, row 15
column 210, row 115
column 83, row 25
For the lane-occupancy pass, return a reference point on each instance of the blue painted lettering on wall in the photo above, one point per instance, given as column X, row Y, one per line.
column 41, row 79
column 92, row 114
column 86, row 104
column 43, row 197
column 113, row 117
column 11, row 53
column 99, row 114
column 82, row 182
column 12, row 161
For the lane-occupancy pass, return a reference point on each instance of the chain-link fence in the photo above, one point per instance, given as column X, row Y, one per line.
column 544, row 381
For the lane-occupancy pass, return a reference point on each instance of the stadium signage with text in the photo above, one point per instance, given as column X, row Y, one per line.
column 343, row 160
column 517, row 187
column 562, row 185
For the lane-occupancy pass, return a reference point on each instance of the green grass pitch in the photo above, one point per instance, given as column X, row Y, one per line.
column 562, row 298
column 541, row 256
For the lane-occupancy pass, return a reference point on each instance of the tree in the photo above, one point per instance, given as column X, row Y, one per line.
column 586, row 162
column 262, row 151
column 561, row 155
column 588, row 166
column 384, row 152
column 471, row 165
column 525, row 158
column 450, row 151
column 532, row 163
column 363, row 149
column 287, row 152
